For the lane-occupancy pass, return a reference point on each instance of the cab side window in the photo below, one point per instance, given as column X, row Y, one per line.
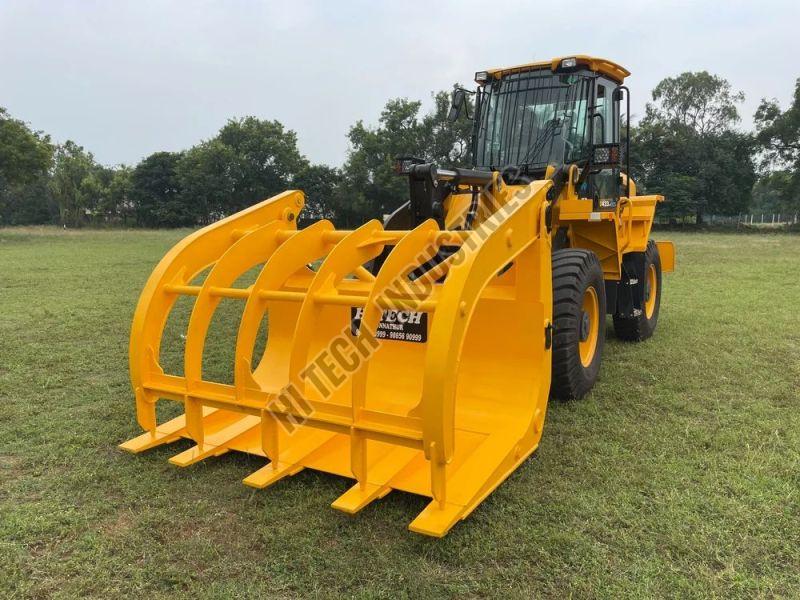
column 604, row 185
column 605, row 127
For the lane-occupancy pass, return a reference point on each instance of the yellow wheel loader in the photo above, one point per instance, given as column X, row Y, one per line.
column 419, row 353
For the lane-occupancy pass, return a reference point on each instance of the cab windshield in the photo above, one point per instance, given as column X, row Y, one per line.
column 532, row 120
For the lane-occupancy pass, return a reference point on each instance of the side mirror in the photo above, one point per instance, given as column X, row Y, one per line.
column 459, row 99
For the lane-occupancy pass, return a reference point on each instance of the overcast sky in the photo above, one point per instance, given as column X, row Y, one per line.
column 127, row 78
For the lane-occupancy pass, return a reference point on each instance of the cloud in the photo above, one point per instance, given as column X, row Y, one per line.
column 128, row 78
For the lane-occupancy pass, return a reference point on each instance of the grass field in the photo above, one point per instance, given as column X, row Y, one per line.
column 678, row 475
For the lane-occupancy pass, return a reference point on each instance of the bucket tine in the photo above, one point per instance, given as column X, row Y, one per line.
column 413, row 249
column 166, row 433
column 217, row 443
column 250, row 250
column 353, row 251
column 305, row 443
column 378, row 476
column 301, row 249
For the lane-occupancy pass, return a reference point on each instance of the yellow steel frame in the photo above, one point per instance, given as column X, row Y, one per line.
column 450, row 418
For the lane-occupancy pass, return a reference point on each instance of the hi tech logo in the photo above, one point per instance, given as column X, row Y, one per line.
column 398, row 325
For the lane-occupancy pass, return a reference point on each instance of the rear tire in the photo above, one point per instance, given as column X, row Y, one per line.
column 643, row 325
column 579, row 322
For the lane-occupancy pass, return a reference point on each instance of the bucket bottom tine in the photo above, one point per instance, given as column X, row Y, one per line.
column 379, row 478
column 290, row 461
column 166, row 433
column 218, row 443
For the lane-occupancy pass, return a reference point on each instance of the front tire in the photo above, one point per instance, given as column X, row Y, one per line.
column 579, row 322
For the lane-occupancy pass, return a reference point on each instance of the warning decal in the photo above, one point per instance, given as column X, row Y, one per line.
column 398, row 325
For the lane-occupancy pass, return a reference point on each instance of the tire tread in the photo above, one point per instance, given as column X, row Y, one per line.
column 573, row 270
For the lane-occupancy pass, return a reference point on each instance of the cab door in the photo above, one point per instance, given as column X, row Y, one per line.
column 603, row 186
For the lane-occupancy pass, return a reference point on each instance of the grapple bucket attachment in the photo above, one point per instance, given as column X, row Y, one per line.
column 428, row 375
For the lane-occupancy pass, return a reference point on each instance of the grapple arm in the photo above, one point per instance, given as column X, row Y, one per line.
column 434, row 384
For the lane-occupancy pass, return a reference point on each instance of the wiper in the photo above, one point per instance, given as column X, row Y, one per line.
column 541, row 139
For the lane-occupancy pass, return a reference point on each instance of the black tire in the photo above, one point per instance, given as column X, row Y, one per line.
column 574, row 272
column 642, row 325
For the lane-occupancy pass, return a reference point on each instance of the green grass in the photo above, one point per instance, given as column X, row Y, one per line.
column 678, row 475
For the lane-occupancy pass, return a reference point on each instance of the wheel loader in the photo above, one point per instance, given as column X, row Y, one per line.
column 418, row 353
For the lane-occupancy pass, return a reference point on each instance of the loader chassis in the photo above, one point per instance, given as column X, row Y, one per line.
column 419, row 354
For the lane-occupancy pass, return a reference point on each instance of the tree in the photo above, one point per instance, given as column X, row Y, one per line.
column 75, row 184
column 120, row 208
column 687, row 148
column 25, row 155
column 156, row 193
column 321, row 186
column 774, row 193
column 206, row 177
column 371, row 188
column 247, row 161
column 700, row 102
column 778, row 136
column 446, row 142
column 28, row 203
column 264, row 160
column 96, row 189
column 25, row 158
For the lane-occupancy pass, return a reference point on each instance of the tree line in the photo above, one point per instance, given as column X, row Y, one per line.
column 687, row 146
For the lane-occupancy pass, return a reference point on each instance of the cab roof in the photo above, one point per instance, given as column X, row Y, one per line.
column 593, row 63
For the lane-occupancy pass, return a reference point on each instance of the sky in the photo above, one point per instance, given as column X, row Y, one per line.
column 128, row 78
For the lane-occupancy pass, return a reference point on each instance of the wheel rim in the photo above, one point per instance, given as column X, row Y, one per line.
column 650, row 292
column 589, row 326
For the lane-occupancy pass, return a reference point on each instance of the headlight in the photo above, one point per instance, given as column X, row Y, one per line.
column 605, row 155
column 404, row 164
column 482, row 76
column 569, row 63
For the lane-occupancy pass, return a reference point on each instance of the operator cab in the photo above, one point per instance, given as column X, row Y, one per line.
column 553, row 114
